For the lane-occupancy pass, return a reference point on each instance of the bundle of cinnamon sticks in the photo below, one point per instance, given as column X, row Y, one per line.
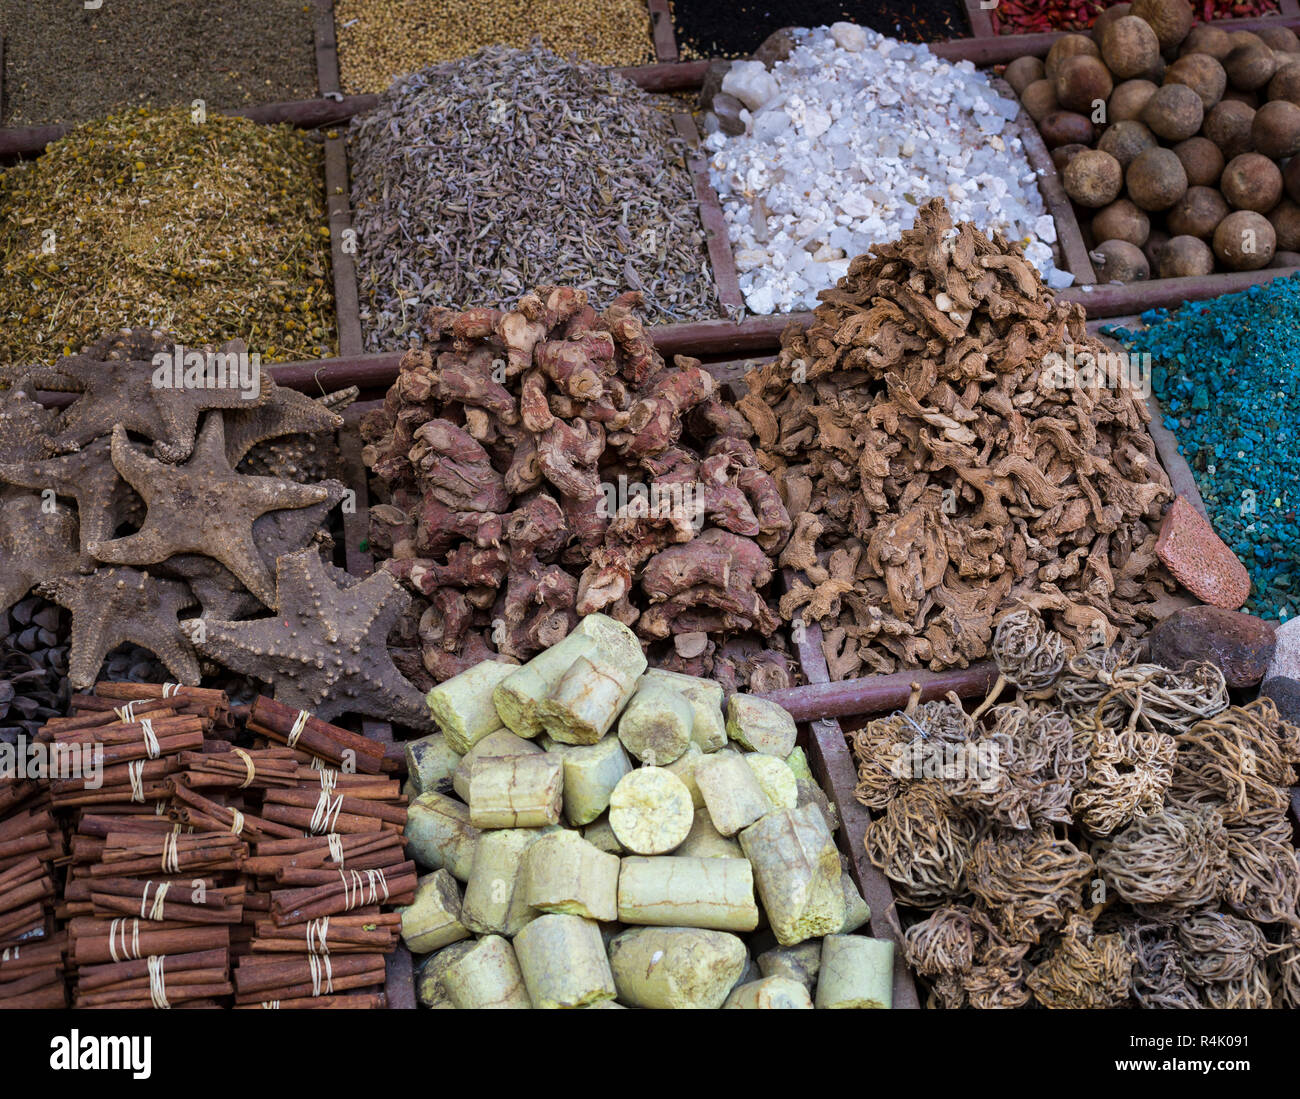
column 325, row 891
column 31, row 952
column 214, row 853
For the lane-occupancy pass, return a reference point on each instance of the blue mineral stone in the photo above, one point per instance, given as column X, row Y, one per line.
column 1201, row 398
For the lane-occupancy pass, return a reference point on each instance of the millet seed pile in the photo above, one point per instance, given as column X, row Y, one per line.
column 212, row 231
column 1227, row 375
column 380, row 40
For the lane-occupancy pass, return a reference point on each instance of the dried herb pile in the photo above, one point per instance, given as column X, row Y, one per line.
column 940, row 467
column 1116, row 835
column 212, row 230
column 380, row 40
column 476, row 179
column 544, row 463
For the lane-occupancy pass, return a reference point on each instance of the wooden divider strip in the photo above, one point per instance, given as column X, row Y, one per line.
column 661, row 28
column 712, row 219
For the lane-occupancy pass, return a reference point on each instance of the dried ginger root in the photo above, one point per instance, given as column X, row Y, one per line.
column 914, row 431
column 502, row 448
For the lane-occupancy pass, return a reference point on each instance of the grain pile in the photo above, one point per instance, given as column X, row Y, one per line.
column 214, row 230
column 940, row 465
column 476, row 179
column 379, row 42
column 1114, row 836
column 543, row 463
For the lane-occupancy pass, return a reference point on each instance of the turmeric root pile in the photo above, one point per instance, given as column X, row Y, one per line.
column 544, row 463
column 940, row 466
column 1088, row 844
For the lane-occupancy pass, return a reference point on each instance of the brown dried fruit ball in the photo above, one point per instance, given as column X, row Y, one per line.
column 1184, row 257
column 1119, row 261
column 1129, row 47
column 1285, row 219
column 1279, row 38
column 1170, row 19
column 1275, row 130
column 1228, row 126
column 1107, row 17
column 1207, row 39
column 1039, row 100
column 1154, row 248
column 1201, row 73
column 1022, row 72
column 1124, row 140
column 1068, row 45
column 1285, row 259
column 1197, row 213
column 1156, row 179
column 1244, row 241
column 1081, row 82
column 1291, row 178
column 1174, row 113
column 1202, row 161
column 1063, row 154
column 1128, row 99
column 1121, row 220
column 1093, row 178
column 1286, row 84
column 1251, row 182
column 1066, row 128
column 1250, row 67
column 1245, row 38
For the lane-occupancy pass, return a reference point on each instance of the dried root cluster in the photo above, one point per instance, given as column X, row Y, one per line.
column 544, row 463
column 938, row 470
column 1114, row 835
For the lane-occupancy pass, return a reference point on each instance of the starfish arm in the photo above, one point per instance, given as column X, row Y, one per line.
column 146, row 547
column 174, row 650
column 247, row 564
column 269, row 494
column 134, row 466
column 244, row 647
column 90, row 644
column 179, row 421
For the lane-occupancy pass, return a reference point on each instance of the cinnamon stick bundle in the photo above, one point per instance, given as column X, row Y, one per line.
column 190, row 807
column 100, row 940
column 270, row 977
column 278, row 722
column 337, row 803
column 361, row 851
column 255, row 770
column 349, row 890
column 125, row 692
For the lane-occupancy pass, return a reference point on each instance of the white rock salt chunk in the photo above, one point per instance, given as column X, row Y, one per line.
column 849, row 36
column 750, row 82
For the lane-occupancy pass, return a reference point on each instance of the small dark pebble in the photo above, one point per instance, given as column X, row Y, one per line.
column 1240, row 644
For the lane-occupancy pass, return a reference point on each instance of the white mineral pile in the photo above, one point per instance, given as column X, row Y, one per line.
column 844, row 141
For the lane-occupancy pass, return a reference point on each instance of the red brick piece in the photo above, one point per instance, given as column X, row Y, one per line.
column 1199, row 559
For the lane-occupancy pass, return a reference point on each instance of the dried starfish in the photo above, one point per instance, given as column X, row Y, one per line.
column 276, row 533
column 202, row 506
column 35, row 543
column 86, row 476
column 326, row 651
column 284, row 412
column 113, row 606
column 122, row 391
column 24, row 422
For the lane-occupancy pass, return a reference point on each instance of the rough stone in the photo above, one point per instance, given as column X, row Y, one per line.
column 712, row 86
column 1199, row 559
column 777, row 46
column 728, row 108
column 1286, row 653
column 1239, row 644
column 1285, row 693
